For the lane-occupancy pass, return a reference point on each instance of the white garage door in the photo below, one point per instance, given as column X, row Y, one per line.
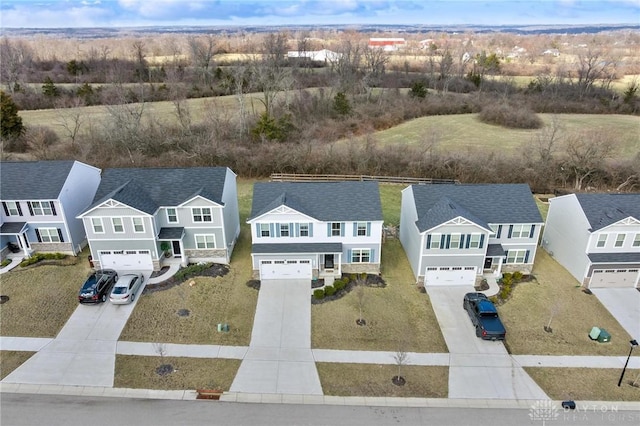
column 458, row 275
column 614, row 278
column 281, row 268
column 126, row 260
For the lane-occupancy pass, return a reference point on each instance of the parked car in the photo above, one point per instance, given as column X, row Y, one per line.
column 126, row 288
column 97, row 286
column 484, row 316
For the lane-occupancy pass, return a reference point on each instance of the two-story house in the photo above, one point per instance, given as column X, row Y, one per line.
column 40, row 201
column 140, row 217
column 596, row 237
column 454, row 233
column 315, row 229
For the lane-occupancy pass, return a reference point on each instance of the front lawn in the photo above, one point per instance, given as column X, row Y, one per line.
column 10, row 360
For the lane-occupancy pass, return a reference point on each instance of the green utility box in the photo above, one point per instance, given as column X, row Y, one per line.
column 604, row 336
column 594, row 333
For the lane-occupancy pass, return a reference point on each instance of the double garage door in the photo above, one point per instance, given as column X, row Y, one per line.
column 285, row 268
column 614, row 278
column 450, row 275
column 126, row 260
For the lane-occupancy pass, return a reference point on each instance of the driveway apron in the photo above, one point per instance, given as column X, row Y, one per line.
column 279, row 359
column 478, row 368
column 83, row 353
column 624, row 305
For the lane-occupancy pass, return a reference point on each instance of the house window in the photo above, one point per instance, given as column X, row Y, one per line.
column 12, row 208
column 49, row 235
column 98, row 228
column 602, row 240
column 636, row 241
column 336, row 229
column 521, row 231
column 474, row 241
column 455, row 241
column 138, row 225
column 172, row 215
column 620, row 240
column 435, row 241
column 202, row 214
column 304, row 229
column 360, row 255
column 494, row 228
column 41, row 208
column 362, row 229
column 205, row 241
column 264, row 230
column 117, row 224
column 284, row 229
column 516, row 256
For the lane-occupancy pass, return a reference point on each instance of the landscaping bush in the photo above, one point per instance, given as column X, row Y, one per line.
column 339, row 284
column 191, row 270
column 517, row 276
column 507, row 279
column 510, row 116
column 42, row 256
column 329, row 290
column 318, row 293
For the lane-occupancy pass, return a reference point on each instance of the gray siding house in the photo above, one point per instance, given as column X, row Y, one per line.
column 142, row 217
column 315, row 229
column 40, row 202
column 454, row 233
column 596, row 237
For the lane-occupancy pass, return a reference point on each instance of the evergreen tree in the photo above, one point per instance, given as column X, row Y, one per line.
column 10, row 121
column 49, row 89
column 341, row 104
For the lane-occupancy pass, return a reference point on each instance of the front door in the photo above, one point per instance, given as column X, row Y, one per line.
column 487, row 262
column 328, row 261
column 25, row 239
column 176, row 248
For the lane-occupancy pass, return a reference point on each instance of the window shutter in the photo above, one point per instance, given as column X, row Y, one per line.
column 277, row 229
column 60, row 235
column 328, row 229
column 428, row 241
column 30, row 208
column 272, row 230
column 258, row 231
column 372, row 256
column 442, row 240
column 481, row 241
column 291, row 234
column 19, row 208
column 342, row 227
column 6, row 210
column 448, row 240
column 468, row 241
column 510, row 231
column 355, row 229
column 53, row 208
column 38, row 235
column 499, row 231
column 533, row 231
column 297, row 232
column 349, row 255
column 368, row 229
column 526, row 257
column 311, row 229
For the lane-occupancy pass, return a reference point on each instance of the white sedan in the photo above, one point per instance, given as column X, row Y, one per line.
column 125, row 289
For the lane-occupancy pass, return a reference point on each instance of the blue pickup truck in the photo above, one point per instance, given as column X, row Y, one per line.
column 484, row 317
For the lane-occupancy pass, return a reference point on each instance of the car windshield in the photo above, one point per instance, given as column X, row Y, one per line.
column 119, row 290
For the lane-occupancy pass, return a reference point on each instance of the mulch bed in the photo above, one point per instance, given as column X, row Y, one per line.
column 372, row 281
column 216, row 270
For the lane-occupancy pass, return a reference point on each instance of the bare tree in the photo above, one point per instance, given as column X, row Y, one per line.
column 346, row 67
column 71, row 120
column 15, row 58
column 202, row 50
column 555, row 310
column 585, row 154
column 401, row 357
column 374, row 65
column 592, row 66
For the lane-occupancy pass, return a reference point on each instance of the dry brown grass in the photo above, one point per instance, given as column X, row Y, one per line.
column 528, row 310
column 42, row 298
column 210, row 301
column 10, row 360
column 587, row 384
column 375, row 380
column 397, row 313
column 139, row 372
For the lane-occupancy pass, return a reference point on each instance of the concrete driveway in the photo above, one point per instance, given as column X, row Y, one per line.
column 279, row 358
column 624, row 305
column 478, row 368
column 83, row 353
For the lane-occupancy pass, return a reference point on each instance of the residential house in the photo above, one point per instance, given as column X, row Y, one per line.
column 40, row 201
column 141, row 217
column 315, row 229
column 388, row 44
column 454, row 233
column 323, row 55
column 596, row 237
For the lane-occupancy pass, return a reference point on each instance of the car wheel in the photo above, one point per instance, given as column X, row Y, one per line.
column 104, row 298
column 133, row 297
column 478, row 332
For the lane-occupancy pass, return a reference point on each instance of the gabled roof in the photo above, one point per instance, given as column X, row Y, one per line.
column 33, row 180
column 603, row 210
column 480, row 203
column 324, row 201
column 150, row 188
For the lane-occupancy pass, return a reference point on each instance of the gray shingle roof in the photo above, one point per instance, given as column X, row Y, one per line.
column 12, row 228
column 602, row 210
column 614, row 257
column 494, row 250
column 174, row 233
column 324, row 201
column 150, row 188
column 297, row 248
column 480, row 203
column 33, row 180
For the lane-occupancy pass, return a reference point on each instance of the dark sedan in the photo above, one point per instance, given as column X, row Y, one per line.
column 97, row 287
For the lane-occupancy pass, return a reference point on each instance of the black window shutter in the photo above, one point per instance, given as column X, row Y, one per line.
column 526, row 257
column 30, row 208
column 60, row 235
column 510, row 231
column 533, row 229
column 38, row 236
column 6, row 210
column 19, row 208
column 482, row 241
column 53, row 208
column 448, row 240
column 499, row 231
column 429, row 241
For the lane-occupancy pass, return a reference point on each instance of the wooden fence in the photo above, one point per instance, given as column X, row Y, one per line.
column 296, row 177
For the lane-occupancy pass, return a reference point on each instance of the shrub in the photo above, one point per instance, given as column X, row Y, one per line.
column 191, row 270
column 510, row 116
column 329, row 290
column 318, row 293
column 505, row 291
column 42, row 256
column 339, row 284
column 517, row 276
column 5, row 263
column 507, row 279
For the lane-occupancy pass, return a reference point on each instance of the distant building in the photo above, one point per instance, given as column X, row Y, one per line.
column 551, row 52
column 387, row 44
column 323, row 55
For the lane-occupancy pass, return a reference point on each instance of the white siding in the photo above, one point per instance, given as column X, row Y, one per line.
column 231, row 213
column 410, row 237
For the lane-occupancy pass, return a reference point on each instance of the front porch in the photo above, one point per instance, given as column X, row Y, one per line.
column 16, row 241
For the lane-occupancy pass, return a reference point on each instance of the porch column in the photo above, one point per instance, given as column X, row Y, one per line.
column 183, row 256
column 339, row 264
column 499, row 270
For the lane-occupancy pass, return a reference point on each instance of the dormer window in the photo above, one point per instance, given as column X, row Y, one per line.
column 602, row 240
column 620, row 240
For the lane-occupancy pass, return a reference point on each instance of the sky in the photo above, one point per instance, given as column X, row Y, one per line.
column 137, row 13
